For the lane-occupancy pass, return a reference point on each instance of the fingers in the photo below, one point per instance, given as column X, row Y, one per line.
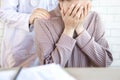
column 70, row 10
column 75, row 15
column 81, row 18
column 85, row 10
column 79, row 13
column 40, row 16
column 39, row 13
column 34, row 16
column 42, row 12
column 76, row 9
column 89, row 6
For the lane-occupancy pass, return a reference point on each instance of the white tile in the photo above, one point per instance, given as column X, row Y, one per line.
column 116, row 56
column 100, row 10
column 114, row 40
column 115, row 33
column 109, row 2
column 108, row 32
column 96, row 2
column 113, row 10
column 116, row 63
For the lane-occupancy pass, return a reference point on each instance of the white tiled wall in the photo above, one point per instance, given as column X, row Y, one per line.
column 110, row 15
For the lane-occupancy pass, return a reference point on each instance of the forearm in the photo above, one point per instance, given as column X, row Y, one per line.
column 58, row 53
column 68, row 32
column 80, row 29
column 98, row 54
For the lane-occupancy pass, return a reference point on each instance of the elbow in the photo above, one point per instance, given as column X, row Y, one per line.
column 103, row 63
column 107, row 62
column 109, row 59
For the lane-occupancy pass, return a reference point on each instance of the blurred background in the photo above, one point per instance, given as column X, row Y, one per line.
column 109, row 11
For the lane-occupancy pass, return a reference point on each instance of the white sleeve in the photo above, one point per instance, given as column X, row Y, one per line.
column 52, row 4
column 9, row 14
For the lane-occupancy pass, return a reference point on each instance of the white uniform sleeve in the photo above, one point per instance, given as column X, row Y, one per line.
column 9, row 14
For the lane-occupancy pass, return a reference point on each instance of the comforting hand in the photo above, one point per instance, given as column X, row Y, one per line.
column 39, row 13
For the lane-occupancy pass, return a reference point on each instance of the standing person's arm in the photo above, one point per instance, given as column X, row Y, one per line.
column 10, row 15
column 15, row 19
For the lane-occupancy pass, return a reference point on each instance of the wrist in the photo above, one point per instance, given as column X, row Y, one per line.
column 79, row 30
column 69, row 32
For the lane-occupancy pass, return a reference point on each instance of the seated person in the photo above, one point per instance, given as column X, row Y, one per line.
column 72, row 37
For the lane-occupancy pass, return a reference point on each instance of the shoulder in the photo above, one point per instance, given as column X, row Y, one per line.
column 52, row 24
column 93, row 23
column 47, row 22
column 39, row 22
column 54, row 19
column 91, row 19
column 93, row 15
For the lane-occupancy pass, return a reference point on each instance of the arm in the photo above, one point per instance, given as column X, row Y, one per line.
column 9, row 14
column 96, row 48
column 56, row 51
column 49, row 51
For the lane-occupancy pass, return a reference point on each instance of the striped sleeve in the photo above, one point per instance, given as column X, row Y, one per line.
column 96, row 48
column 48, row 51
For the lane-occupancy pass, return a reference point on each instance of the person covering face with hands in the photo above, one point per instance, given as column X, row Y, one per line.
column 75, row 15
column 72, row 37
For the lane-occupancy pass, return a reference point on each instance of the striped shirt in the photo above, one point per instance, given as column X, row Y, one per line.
column 90, row 48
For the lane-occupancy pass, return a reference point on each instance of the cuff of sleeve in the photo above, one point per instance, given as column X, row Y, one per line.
column 66, row 41
column 31, row 27
column 83, row 39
